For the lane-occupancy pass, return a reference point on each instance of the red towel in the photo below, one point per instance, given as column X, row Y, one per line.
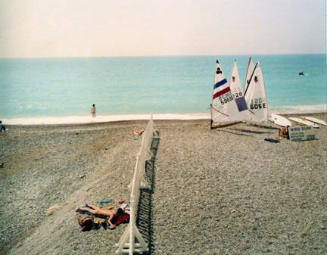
column 122, row 218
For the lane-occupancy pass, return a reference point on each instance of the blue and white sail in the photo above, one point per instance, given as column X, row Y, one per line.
column 223, row 107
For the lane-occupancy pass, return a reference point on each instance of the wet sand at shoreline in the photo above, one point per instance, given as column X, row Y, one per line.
column 221, row 191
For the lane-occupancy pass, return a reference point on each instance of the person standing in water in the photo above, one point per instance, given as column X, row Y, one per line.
column 93, row 111
column 2, row 127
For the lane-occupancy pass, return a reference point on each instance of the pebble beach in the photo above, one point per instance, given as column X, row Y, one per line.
column 220, row 191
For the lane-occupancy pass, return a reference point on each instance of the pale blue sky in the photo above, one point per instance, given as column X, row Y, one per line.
column 57, row 28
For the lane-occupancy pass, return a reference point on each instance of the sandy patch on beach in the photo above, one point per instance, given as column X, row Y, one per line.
column 222, row 191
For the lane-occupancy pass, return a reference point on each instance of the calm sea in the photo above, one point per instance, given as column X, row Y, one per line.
column 134, row 85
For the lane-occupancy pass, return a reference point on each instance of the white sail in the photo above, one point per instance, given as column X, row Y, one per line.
column 235, row 82
column 223, row 107
column 249, row 73
column 235, row 86
column 255, row 96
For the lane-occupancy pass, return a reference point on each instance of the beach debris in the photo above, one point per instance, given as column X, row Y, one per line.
column 76, row 133
column 108, row 201
column 52, row 209
column 82, row 176
column 2, row 165
column 271, row 140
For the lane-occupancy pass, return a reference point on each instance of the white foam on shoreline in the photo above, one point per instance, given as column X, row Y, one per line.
column 303, row 109
column 102, row 118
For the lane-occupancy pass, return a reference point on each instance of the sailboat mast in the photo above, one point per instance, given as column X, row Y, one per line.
column 250, row 78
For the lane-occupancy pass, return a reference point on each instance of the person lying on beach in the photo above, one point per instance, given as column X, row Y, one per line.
column 283, row 132
column 112, row 214
column 138, row 131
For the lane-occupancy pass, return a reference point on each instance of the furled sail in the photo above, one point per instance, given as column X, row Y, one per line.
column 249, row 73
column 255, row 96
column 223, row 107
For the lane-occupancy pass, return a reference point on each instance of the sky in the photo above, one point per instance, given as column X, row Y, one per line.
column 87, row 28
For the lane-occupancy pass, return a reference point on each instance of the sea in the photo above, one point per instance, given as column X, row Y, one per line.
column 62, row 89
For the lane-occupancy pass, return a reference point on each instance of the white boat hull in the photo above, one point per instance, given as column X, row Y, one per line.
column 304, row 122
column 280, row 120
column 315, row 120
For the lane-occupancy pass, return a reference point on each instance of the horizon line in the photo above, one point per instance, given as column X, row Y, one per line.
column 151, row 56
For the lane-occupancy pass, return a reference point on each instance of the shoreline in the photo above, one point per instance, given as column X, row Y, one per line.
column 77, row 120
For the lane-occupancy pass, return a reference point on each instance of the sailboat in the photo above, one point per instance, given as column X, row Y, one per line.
column 223, row 107
column 255, row 96
column 235, row 86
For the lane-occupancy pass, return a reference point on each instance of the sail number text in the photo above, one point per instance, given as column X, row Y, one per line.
column 258, row 103
column 225, row 98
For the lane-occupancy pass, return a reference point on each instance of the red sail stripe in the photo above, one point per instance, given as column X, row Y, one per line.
column 219, row 93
